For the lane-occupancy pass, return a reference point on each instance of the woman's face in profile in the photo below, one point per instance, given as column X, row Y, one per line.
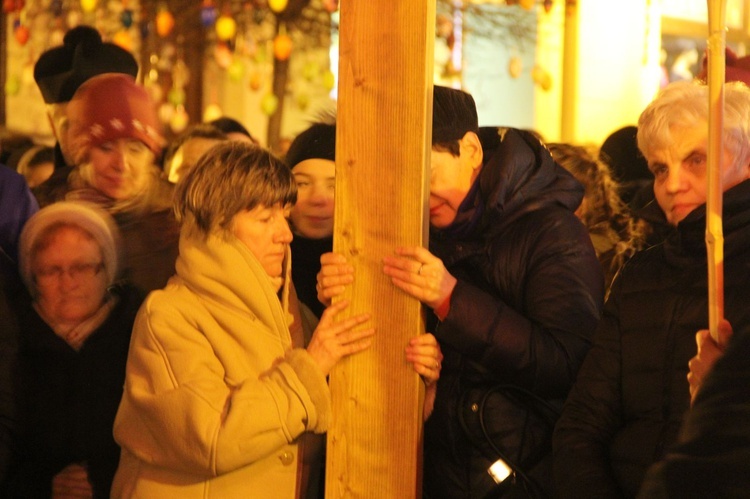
column 69, row 274
column 265, row 231
column 119, row 169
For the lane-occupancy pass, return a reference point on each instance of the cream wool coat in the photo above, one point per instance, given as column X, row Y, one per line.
column 215, row 397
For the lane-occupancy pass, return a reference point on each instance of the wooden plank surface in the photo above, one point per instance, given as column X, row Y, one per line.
column 383, row 142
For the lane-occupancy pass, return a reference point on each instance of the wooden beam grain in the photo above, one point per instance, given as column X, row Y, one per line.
column 382, row 156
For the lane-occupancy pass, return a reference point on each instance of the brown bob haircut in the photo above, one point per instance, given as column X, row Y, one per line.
column 229, row 178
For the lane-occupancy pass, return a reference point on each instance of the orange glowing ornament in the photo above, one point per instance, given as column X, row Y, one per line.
column 255, row 81
column 282, row 47
column 21, row 34
column 122, row 39
column 164, row 23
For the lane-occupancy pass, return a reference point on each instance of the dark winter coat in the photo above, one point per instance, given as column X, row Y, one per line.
column 712, row 458
column 306, row 255
column 527, row 301
column 632, row 392
column 67, row 400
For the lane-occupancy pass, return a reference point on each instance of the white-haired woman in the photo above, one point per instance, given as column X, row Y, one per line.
column 74, row 335
column 631, row 394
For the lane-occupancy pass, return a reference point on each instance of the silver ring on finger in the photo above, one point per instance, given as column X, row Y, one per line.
column 419, row 270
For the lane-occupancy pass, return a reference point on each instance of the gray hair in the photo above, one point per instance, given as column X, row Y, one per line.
column 229, row 178
column 684, row 104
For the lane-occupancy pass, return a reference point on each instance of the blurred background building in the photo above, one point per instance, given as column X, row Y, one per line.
column 573, row 70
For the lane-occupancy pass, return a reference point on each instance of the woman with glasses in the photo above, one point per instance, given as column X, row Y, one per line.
column 75, row 328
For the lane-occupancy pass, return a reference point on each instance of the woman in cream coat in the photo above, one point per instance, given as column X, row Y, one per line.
column 222, row 398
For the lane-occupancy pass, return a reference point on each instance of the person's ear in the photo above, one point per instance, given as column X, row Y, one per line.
column 471, row 148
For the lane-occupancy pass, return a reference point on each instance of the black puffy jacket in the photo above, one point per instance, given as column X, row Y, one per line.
column 521, row 316
column 632, row 392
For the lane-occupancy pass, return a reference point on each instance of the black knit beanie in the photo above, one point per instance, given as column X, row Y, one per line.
column 317, row 142
column 453, row 114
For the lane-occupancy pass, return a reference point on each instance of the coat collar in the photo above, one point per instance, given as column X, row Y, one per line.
column 224, row 272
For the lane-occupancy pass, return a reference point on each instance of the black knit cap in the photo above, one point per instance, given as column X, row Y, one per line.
column 61, row 70
column 317, row 142
column 453, row 114
column 620, row 152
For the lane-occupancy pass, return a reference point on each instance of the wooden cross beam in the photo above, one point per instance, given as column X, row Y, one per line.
column 384, row 128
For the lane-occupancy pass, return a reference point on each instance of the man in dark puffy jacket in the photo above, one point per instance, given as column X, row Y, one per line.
column 515, row 291
column 631, row 394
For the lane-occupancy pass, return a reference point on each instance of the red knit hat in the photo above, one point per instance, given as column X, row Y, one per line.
column 108, row 107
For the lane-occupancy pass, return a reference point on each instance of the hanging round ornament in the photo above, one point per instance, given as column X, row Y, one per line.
column 73, row 18
column 541, row 77
column 515, row 67
column 126, row 18
column 329, row 80
column 122, row 39
column 212, row 112
column 282, row 47
column 10, row 6
column 88, row 5
column 27, row 76
column 223, row 55
column 208, row 13
column 255, row 81
column 166, row 111
column 527, row 4
column 268, row 104
column 179, row 120
column 226, row 27
column 12, row 86
column 164, row 22
column 176, row 96
column 56, row 37
column 21, row 34
column 56, row 7
column 303, row 101
column 155, row 91
column 547, row 4
column 310, row 70
column 331, row 5
column 277, row 6
column 236, row 70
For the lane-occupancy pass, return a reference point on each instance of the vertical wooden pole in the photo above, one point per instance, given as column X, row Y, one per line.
column 714, row 204
column 384, row 127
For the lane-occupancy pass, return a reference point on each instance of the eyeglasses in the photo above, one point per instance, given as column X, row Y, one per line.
column 76, row 271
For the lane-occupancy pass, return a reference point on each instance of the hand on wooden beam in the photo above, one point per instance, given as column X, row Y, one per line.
column 424, row 353
column 335, row 274
column 421, row 274
column 332, row 342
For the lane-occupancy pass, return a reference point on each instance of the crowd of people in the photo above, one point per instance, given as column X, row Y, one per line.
column 157, row 340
